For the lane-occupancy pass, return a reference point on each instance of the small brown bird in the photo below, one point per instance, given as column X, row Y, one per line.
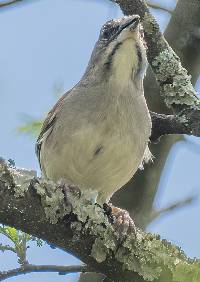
column 96, row 136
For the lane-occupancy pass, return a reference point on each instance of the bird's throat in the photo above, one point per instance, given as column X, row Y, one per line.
column 124, row 63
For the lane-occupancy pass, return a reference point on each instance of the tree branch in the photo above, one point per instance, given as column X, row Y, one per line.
column 28, row 268
column 4, row 248
column 61, row 216
column 187, row 122
column 177, row 109
column 8, row 3
column 167, row 124
column 179, row 33
column 159, row 7
column 174, row 83
column 177, row 205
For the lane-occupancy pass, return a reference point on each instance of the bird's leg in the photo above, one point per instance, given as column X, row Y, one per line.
column 72, row 189
column 121, row 220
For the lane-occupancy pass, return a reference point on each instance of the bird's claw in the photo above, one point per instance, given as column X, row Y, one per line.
column 121, row 220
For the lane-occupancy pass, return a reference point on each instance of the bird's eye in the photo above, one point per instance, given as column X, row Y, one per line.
column 109, row 31
column 136, row 19
column 106, row 33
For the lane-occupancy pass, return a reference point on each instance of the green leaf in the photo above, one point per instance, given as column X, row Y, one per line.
column 20, row 240
column 10, row 233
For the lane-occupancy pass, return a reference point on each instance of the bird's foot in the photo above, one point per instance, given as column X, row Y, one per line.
column 71, row 192
column 121, row 220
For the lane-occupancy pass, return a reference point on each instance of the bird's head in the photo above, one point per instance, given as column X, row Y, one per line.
column 120, row 47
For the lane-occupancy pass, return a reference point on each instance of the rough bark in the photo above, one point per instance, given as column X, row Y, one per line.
column 138, row 195
column 174, row 82
column 68, row 220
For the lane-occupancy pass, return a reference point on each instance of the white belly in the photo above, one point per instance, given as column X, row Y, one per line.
column 100, row 156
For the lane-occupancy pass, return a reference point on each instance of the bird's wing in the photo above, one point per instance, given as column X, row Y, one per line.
column 47, row 126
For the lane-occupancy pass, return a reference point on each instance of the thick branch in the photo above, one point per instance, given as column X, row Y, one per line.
column 183, row 35
column 77, row 226
column 167, row 124
column 175, row 124
column 61, row 270
column 174, row 82
column 179, row 33
column 140, row 201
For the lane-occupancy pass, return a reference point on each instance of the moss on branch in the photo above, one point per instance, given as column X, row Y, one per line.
column 173, row 80
column 175, row 83
column 140, row 257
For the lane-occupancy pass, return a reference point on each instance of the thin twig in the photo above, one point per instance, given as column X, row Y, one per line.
column 61, row 270
column 159, row 7
column 174, row 206
column 8, row 3
column 4, row 248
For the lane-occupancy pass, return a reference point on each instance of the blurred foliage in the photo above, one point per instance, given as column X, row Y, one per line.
column 30, row 126
column 19, row 242
column 187, row 273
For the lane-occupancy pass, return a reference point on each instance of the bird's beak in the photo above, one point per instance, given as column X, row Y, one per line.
column 131, row 21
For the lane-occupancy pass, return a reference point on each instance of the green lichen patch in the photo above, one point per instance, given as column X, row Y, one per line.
column 149, row 256
column 5, row 174
column 90, row 216
column 96, row 223
column 149, row 24
column 176, row 86
column 185, row 272
column 52, row 199
column 152, row 32
column 99, row 251
column 143, row 253
column 136, row 255
column 22, row 178
column 18, row 178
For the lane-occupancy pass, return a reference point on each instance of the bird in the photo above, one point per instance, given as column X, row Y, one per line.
column 97, row 134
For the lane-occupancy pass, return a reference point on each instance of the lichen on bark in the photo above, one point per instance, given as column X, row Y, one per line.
column 175, row 83
column 52, row 199
column 141, row 254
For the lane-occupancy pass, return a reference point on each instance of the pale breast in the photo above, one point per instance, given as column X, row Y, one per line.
column 102, row 154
